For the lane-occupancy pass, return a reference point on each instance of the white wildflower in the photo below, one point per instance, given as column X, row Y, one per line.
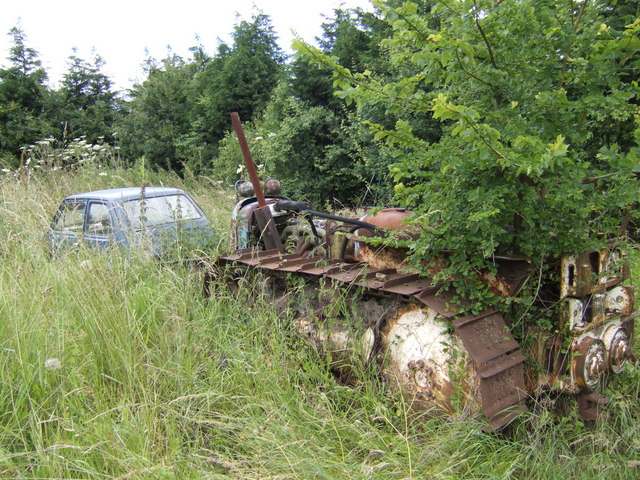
column 240, row 168
column 102, row 174
column 52, row 364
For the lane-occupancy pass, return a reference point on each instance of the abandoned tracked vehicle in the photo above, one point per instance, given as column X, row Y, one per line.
column 362, row 300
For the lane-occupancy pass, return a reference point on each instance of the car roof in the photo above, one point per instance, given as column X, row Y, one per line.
column 123, row 194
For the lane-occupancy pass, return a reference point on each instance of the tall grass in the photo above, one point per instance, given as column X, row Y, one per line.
column 114, row 366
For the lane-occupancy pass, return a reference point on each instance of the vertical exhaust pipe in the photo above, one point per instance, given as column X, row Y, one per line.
column 268, row 230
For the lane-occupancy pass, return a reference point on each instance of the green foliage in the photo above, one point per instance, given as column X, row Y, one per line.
column 321, row 152
column 352, row 37
column 88, row 105
column 23, row 99
column 539, row 125
column 239, row 79
column 85, row 105
column 158, row 120
column 177, row 116
column 311, row 151
column 352, row 41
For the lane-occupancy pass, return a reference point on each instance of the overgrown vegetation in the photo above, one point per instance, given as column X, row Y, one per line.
column 178, row 117
column 509, row 127
column 538, row 107
column 117, row 367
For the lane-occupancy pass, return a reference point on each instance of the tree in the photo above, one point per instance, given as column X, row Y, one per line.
column 239, row 79
column 89, row 106
column 351, row 38
column 157, row 125
column 23, row 98
column 539, row 126
column 313, row 152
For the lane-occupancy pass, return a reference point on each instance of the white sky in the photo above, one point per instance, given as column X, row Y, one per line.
column 121, row 30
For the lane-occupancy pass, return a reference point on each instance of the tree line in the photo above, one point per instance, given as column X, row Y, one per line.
column 177, row 118
column 499, row 99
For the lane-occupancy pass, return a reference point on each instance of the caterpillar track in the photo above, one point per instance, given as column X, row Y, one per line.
column 496, row 362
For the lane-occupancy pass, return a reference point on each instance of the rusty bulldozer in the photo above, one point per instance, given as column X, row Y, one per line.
column 440, row 359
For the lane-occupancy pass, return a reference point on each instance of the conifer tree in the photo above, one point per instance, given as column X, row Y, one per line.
column 239, row 79
column 89, row 106
column 23, row 99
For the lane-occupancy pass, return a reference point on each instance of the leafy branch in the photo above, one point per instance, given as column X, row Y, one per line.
column 484, row 37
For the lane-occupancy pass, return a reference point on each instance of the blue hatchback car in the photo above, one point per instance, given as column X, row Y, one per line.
column 154, row 218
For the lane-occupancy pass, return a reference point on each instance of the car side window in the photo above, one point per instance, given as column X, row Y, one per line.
column 70, row 218
column 99, row 219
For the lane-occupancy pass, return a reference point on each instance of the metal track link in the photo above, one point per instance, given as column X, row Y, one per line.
column 499, row 364
column 496, row 356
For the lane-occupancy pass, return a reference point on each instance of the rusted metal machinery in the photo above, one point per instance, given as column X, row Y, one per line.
column 360, row 300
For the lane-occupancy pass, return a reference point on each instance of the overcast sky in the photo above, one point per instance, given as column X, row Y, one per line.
column 121, row 30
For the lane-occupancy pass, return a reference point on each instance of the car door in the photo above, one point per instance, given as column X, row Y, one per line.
column 68, row 224
column 99, row 225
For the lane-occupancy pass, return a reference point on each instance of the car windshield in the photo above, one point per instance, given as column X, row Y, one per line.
column 158, row 210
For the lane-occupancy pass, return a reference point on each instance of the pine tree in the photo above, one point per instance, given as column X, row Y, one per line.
column 239, row 79
column 89, row 106
column 157, row 125
column 23, row 99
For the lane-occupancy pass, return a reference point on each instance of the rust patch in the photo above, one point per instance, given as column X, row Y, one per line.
column 392, row 319
column 591, row 272
column 590, row 405
column 383, row 257
column 429, row 390
column 497, row 284
column 619, row 300
column 389, row 219
column 510, row 277
column 388, row 257
column 499, row 365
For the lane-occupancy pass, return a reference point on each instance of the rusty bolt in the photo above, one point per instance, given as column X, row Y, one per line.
column 421, row 378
